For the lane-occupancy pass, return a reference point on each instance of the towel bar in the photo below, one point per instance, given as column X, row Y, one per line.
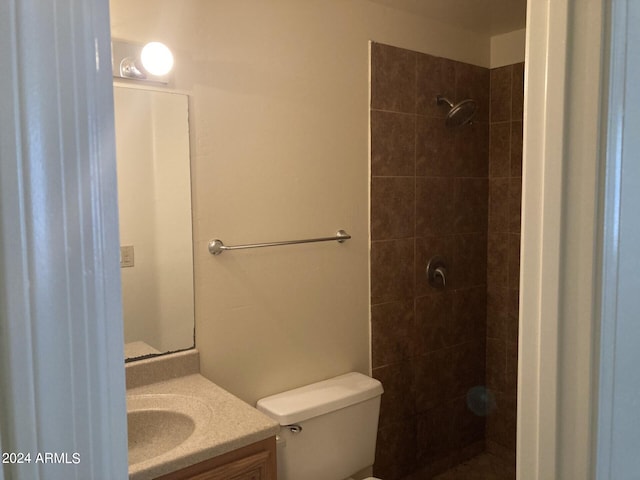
column 216, row 247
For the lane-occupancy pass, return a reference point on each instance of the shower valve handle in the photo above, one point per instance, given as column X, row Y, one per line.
column 441, row 273
column 437, row 272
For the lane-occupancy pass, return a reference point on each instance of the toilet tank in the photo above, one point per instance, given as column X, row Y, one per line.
column 328, row 429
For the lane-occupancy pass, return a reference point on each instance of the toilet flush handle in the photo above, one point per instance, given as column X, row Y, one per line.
column 294, row 428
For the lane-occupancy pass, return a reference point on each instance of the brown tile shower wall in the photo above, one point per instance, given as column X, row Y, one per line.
column 429, row 195
column 503, row 254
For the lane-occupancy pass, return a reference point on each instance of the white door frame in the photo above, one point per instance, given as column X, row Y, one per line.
column 61, row 344
column 567, row 48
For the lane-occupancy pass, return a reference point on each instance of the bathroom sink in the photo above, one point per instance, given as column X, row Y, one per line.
column 159, row 423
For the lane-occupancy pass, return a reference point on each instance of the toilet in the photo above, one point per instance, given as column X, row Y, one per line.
column 327, row 429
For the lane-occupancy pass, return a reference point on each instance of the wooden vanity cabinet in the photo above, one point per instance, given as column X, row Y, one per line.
column 253, row 462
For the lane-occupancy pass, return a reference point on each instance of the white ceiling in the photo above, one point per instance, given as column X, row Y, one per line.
column 488, row 17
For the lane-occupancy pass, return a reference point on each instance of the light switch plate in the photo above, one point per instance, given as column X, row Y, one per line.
column 126, row 256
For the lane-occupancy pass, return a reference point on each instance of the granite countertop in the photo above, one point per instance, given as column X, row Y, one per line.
column 229, row 423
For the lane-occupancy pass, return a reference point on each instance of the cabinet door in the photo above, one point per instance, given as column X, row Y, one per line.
column 256, row 461
column 253, row 467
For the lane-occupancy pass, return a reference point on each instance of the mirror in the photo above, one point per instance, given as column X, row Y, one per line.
column 154, row 202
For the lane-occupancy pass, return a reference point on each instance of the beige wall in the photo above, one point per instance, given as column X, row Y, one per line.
column 280, row 134
column 508, row 48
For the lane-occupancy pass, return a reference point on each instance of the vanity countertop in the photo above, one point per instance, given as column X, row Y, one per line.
column 232, row 424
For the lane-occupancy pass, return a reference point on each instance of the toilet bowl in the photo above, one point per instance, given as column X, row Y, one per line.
column 327, row 429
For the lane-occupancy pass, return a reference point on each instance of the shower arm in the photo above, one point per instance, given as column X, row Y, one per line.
column 441, row 99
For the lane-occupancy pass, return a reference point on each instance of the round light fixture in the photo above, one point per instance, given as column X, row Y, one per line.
column 156, row 58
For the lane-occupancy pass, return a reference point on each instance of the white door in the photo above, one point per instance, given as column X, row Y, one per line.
column 62, row 392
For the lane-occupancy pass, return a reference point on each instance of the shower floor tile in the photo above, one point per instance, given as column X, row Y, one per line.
column 482, row 467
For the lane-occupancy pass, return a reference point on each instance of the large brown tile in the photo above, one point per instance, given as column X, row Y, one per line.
column 495, row 431
column 434, row 322
column 468, row 428
column 501, row 425
column 496, row 365
column 470, row 261
column 392, row 207
column 511, row 421
column 468, row 365
column 392, row 144
column 434, row 205
column 482, row 467
column 434, row 378
column 435, row 76
column 498, row 220
column 468, row 452
column 435, row 428
column 501, row 94
column 470, row 198
column 514, row 261
column 393, row 335
column 393, row 79
column 511, row 330
column 500, row 150
column 472, row 150
column 396, row 450
column 435, row 148
column 473, row 82
column 511, row 369
column 392, row 270
column 498, row 260
column 505, row 456
column 515, row 204
column 497, row 312
column 397, row 403
column 516, row 149
column 469, row 315
column 517, row 88
column 429, row 470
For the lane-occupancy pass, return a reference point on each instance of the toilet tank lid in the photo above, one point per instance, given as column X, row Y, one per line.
column 319, row 398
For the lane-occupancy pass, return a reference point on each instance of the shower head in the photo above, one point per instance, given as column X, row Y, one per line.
column 460, row 113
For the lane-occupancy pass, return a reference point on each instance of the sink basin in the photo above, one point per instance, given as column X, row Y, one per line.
column 159, row 423
column 154, row 432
